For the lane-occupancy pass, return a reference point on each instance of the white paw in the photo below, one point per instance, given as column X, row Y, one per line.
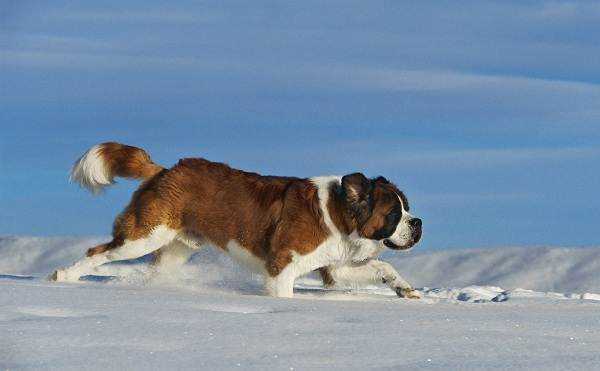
column 408, row 293
column 62, row 275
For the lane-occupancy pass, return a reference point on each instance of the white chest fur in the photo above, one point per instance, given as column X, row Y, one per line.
column 338, row 249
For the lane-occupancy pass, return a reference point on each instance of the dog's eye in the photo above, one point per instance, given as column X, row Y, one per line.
column 393, row 217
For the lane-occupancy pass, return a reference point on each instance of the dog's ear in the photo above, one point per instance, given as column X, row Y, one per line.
column 357, row 191
column 381, row 179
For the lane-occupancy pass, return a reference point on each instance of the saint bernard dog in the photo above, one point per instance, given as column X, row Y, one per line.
column 281, row 227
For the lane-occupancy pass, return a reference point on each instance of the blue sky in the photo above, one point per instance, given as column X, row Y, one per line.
column 487, row 114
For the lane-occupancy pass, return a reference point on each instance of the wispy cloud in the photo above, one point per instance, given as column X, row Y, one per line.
column 42, row 53
column 444, row 80
column 49, row 43
column 456, row 92
column 493, row 157
column 383, row 156
column 398, row 153
column 473, row 197
column 138, row 16
column 569, row 10
column 93, row 61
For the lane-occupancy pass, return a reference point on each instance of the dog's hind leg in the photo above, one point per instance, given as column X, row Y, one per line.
column 116, row 250
column 326, row 277
column 172, row 256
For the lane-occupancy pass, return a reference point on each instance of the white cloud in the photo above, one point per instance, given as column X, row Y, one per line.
column 497, row 156
column 138, row 16
column 569, row 10
column 405, row 153
column 473, row 159
column 384, row 156
column 95, row 61
column 50, row 43
column 472, row 198
column 326, row 77
column 387, row 79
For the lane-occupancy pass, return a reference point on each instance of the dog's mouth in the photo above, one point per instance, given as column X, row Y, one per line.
column 416, row 237
column 393, row 246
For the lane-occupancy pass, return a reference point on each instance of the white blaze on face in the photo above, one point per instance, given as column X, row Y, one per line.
column 402, row 236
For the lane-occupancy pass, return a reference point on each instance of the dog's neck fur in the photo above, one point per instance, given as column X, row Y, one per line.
column 339, row 211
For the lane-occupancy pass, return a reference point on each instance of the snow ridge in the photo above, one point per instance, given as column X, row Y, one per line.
column 568, row 270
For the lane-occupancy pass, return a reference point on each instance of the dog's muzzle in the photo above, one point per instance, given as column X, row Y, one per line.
column 416, row 228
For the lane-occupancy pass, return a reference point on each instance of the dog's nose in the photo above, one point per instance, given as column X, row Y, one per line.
column 415, row 223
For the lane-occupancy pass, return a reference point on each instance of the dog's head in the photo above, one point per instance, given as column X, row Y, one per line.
column 380, row 211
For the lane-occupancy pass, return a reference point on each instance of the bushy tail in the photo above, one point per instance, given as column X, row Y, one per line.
column 98, row 167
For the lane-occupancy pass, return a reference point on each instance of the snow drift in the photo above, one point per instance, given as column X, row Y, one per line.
column 535, row 268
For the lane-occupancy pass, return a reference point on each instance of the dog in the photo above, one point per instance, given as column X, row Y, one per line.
column 280, row 227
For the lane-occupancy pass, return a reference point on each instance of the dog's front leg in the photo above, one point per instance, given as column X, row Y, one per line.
column 374, row 271
column 392, row 278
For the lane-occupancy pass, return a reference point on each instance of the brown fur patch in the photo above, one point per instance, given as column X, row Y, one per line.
column 128, row 161
column 97, row 250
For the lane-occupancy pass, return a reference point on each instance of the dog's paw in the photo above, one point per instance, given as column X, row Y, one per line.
column 61, row 275
column 53, row 276
column 408, row 293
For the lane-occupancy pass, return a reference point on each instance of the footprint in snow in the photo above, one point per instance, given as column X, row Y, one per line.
column 46, row 313
column 235, row 309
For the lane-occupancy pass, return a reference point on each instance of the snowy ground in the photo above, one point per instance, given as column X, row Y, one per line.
column 211, row 315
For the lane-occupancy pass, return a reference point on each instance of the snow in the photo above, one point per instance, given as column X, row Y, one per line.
column 523, row 308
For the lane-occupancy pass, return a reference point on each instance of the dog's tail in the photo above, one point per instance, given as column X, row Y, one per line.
column 98, row 167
